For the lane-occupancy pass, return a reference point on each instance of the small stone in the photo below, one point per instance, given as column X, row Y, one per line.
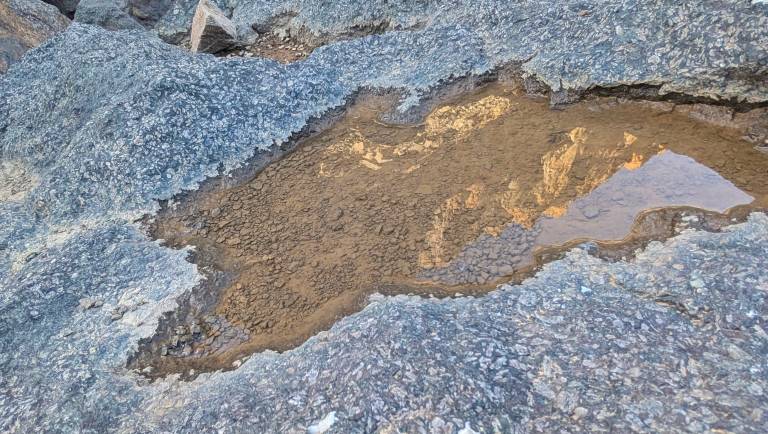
column 89, row 303
column 579, row 413
column 590, row 212
column 335, row 214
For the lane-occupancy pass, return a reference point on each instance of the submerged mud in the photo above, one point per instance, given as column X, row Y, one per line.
column 488, row 187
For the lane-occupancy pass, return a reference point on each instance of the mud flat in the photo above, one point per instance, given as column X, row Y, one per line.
column 487, row 188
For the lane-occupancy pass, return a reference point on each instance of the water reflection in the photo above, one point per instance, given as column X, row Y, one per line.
column 606, row 213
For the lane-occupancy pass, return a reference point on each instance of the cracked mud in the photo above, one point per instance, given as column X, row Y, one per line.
column 485, row 189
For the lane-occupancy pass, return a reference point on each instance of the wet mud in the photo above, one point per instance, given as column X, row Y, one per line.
column 487, row 188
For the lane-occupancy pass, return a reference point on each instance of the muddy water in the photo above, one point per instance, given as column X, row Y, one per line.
column 466, row 199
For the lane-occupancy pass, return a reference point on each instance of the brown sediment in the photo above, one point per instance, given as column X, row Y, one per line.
column 271, row 46
column 368, row 207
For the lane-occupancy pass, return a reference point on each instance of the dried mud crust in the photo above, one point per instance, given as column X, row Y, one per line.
column 365, row 207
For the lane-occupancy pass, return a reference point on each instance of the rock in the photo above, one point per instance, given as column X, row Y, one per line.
column 116, row 314
column 25, row 24
column 335, row 214
column 212, row 31
column 66, row 7
column 590, row 212
column 89, row 303
column 114, row 121
column 579, row 412
column 109, row 14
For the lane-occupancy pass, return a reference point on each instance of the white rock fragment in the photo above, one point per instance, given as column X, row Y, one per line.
column 88, row 303
column 212, row 31
column 324, row 425
column 467, row 429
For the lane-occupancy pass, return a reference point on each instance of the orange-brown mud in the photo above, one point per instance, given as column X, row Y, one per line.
column 368, row 207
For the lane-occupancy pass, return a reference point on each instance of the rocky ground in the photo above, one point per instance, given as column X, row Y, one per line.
column 97, row 126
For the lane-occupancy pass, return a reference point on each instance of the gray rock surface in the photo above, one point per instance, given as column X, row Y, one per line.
column 97, row 126
column 212, row 31
column 25, row 24
column 109, row 14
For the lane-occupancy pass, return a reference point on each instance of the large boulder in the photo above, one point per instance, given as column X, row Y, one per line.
column 212, row 31
column 25, row 24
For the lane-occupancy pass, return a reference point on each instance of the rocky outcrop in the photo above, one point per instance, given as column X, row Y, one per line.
column 25, row 24
column 212, row 31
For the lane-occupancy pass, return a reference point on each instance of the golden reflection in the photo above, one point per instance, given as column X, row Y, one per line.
column 635, row 162
column 445, row 123
column 571, row 168
column 433, row 256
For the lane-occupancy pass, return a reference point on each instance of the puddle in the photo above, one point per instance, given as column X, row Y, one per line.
column 484, row 190
column 606, row 213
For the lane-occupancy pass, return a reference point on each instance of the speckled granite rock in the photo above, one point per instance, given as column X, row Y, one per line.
column 710, row 49
column 96, row 126
column 700, row 48
column 25, row 24
column 110, row 14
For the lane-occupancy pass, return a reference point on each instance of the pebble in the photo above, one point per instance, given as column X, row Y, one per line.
column 579, row 413
column 89, row 303
column 590, row 212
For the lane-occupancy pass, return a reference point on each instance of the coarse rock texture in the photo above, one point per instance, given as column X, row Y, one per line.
column 25, row 24
column 170, row 19
column 103, row 124
column 709, row 49
column 212, row 31
column 110, row 14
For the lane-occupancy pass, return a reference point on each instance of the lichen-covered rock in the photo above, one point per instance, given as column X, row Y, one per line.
column 25, row 24
column 211, row 30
